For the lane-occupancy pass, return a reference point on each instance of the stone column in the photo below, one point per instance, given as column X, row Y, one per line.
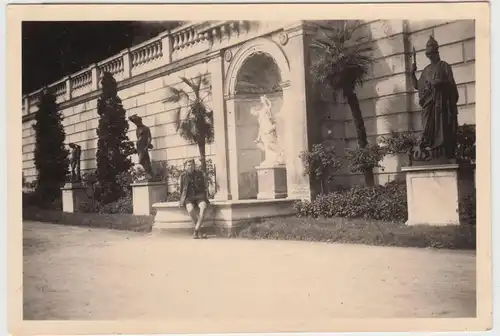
column 232, row 148
column 73, row 195
column 216, row 70
column 145, row 194
column 295, row 111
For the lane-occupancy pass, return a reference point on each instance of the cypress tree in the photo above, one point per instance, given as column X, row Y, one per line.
column 51, row 156
column 113, row 145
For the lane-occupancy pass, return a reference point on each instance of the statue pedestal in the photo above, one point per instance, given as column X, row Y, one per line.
column 434, row 192
column 73, row 195
column 271, row 182
column 145, row 194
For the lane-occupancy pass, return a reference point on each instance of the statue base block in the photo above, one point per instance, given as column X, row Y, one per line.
column 271, row 182
column 145, row 194
column 73, row 195
column 434, row 193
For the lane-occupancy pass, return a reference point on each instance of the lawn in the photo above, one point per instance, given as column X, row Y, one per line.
column 357, row 231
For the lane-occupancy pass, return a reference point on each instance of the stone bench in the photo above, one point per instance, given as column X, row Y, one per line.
column 225, row 217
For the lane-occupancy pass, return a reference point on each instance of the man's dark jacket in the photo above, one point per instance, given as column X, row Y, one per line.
column 200, row 191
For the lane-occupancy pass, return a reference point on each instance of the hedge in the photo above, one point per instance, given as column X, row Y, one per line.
column 382, row 202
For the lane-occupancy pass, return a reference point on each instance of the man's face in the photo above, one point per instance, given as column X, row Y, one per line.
column 190, row 166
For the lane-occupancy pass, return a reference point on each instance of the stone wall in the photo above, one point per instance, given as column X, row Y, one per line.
column 387, row 98
column 184, row 51
column 144, row 99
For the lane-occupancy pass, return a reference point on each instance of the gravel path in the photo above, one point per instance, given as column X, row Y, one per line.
column 80, row 273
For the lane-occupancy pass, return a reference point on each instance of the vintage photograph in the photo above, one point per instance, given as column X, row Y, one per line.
column 249, row 169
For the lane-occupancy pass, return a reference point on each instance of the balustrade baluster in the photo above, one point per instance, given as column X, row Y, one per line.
column 157, row 50
column 134, row 59
column 191, row 37
column 176, row 41
column 223, row 32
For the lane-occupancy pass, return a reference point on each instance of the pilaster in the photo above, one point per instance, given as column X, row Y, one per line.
column 220, row 128
column 295, row 105
column 232, row 148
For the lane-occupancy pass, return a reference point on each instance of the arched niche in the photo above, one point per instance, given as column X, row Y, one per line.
column 259, row 68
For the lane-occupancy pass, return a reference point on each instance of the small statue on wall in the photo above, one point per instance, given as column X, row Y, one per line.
column 143, row 144
column 76, row 152
column 267, row 139
column 438, row 97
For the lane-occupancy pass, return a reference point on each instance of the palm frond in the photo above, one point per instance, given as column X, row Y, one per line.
column 205, row 81
column 341, row 62
column 196, row 125
column 176, row 95
column 189, row 83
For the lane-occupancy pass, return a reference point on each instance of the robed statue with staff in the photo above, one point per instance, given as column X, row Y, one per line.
column 438, row 97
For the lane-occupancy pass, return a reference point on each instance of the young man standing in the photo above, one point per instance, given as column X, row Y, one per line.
column 193, row 193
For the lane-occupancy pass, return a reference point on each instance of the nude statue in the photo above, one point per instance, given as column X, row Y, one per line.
column 143, row 144
column 267, row 138
column 76, row 152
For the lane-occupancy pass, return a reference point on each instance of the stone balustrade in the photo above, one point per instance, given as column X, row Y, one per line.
column 170, row 46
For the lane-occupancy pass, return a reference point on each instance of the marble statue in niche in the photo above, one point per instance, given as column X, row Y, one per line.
column 267, row 138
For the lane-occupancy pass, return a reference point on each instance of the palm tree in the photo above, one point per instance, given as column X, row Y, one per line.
column 197, row 123
column 341, row 65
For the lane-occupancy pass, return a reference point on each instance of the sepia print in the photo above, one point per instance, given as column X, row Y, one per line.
column 228, row 171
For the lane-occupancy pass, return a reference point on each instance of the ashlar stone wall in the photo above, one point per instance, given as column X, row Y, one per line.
column 387, row 98
column 145, row 99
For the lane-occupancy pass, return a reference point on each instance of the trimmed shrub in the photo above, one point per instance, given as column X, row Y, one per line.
column 466, row 143
column 113, row 145
column 467, row 208
column 35, row 199
column 93, row 204
column 50, row 156
column 121, row 205
column 321, row 163
column 366, row 158
column 381, row 202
